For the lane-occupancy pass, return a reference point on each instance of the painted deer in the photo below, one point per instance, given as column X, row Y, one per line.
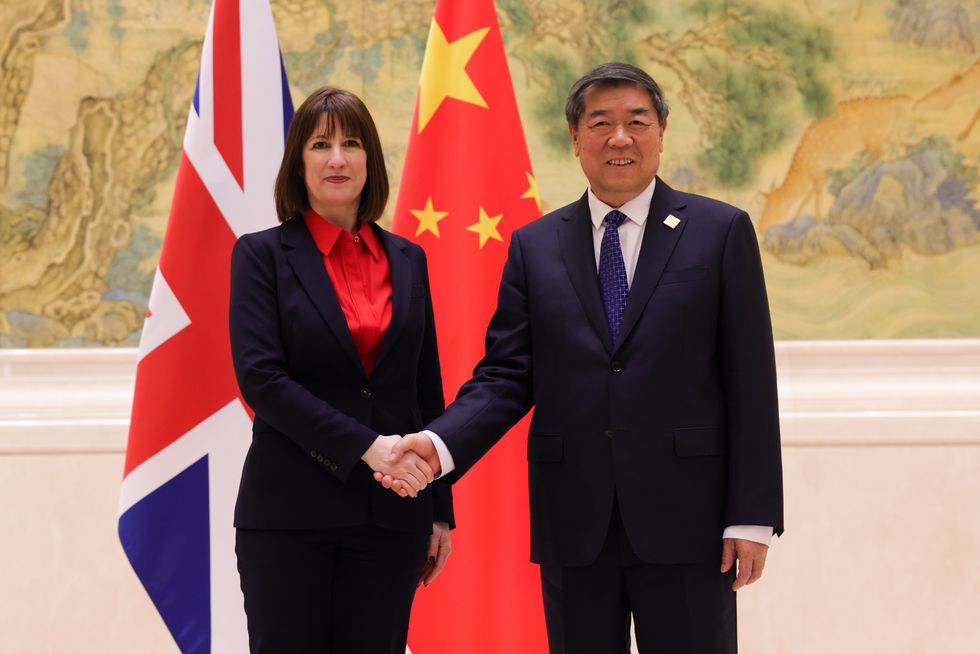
column 853, row 126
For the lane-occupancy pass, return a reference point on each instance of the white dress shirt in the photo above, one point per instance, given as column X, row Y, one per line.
column 630, row 237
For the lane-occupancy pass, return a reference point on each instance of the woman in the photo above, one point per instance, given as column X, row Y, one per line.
column 334, row 346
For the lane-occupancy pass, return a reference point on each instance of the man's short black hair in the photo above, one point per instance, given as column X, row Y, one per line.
column 613, row 73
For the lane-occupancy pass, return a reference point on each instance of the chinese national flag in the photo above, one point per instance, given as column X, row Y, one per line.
column 467, row 184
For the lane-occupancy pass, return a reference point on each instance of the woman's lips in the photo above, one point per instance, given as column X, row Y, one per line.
column 337, row 179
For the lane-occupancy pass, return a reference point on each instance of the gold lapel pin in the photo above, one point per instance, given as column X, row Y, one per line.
column 672, row 221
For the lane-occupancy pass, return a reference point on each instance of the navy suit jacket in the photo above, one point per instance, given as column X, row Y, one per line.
column 677, row 419
column 316, row 410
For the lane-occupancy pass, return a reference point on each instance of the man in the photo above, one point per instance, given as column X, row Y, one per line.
column 636, row 322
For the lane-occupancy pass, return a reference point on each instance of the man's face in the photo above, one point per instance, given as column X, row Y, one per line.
column 618, row 141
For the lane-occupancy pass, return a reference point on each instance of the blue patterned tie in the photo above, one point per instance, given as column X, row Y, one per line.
column 612, row 273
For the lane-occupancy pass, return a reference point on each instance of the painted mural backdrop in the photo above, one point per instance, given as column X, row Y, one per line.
column 847, row 128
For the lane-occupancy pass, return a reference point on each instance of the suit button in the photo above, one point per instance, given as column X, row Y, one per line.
column 313, row 453
column 319, row 457
column 333, row 467
column 616, row 366
column 609, row 433
column 365, row 393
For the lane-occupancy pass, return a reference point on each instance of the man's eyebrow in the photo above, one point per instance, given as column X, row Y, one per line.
column 638, row 111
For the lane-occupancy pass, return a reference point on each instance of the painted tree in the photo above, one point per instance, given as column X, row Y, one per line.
column 736, row 68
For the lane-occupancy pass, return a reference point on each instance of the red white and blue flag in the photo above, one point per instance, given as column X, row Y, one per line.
column 190, row 428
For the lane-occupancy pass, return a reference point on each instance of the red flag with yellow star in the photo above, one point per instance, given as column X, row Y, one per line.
column 467, row 184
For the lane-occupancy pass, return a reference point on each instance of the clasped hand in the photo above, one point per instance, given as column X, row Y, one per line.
column 412, row 447
column 411, row 472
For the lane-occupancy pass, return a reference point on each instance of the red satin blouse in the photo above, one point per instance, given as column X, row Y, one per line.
column 358, row 267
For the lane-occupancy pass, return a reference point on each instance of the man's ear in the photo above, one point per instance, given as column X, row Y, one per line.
column 574, row 134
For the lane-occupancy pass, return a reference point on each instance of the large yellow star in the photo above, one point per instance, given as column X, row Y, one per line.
column 486, row 227
column 444, row 72
column 532, row 190
column 428, row 218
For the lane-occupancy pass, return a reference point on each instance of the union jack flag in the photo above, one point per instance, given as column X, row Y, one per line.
column 190, row 428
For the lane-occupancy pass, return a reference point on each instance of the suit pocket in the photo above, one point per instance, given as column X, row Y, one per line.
column 685, row 275
column 544, row 448
column 699, row 441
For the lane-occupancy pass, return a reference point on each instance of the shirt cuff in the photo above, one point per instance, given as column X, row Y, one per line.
column 445, row 458
column 754, row 533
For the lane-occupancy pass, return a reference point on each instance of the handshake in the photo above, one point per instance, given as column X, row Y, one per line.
column 406, row 465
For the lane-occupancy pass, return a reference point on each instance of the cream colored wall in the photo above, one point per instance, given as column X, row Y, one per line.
column 790, row 110
column 882, row 472
column 65, row 585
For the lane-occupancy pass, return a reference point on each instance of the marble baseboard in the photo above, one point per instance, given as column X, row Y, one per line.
column 832, row 393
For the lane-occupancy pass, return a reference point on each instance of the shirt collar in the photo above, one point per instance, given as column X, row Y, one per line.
column 326, row 234
column 636, row 209
column 371, row 240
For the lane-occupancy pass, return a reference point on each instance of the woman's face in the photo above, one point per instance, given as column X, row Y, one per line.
column 335, row 171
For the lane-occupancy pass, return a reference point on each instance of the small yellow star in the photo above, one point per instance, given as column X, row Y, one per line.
column 486, row 228
column 444, row 72
column 428, row 218
column 532, row 190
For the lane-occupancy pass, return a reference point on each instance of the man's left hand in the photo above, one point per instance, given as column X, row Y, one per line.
column 751, row 560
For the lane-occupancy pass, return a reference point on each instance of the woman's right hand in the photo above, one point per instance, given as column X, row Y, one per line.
column 410, row 468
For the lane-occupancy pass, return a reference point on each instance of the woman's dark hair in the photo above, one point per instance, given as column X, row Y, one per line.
column 345, row 111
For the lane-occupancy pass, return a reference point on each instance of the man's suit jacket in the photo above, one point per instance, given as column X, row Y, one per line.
column 316, row 410
column 677, row 419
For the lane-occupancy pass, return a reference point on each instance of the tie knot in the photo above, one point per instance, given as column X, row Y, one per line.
column 615, row 218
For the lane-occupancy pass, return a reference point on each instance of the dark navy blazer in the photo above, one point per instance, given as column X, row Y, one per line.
column 316, row 410
column 678, row 418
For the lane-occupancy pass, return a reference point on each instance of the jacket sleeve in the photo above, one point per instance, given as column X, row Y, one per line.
column 430, row 396
column 500, row 392
column 748, row 375
column 262, row 371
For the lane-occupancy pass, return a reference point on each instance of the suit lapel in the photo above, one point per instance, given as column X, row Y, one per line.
column 401, row 289
column 658, row 244
column 307, row 262
column 578, row 253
